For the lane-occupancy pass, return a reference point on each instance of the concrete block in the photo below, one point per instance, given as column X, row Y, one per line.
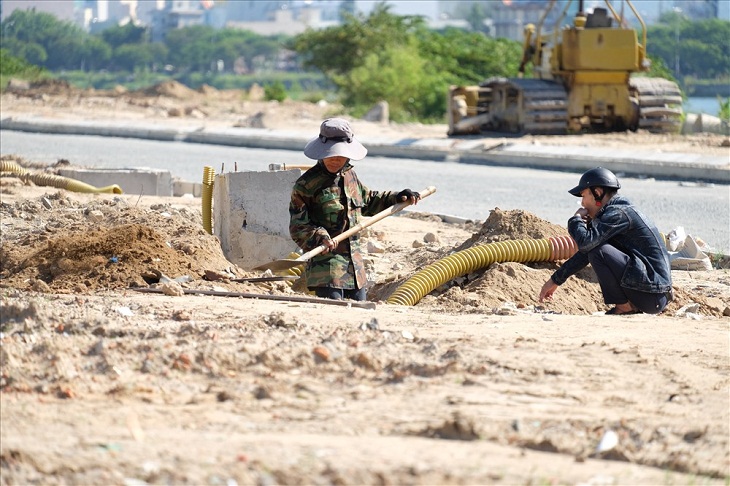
column 251, row 215
column 180, row 188
column 139, row 180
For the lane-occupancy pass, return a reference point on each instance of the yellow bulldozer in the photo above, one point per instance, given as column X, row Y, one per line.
column 582, row 82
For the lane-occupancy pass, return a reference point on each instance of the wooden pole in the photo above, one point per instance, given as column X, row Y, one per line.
column 283, row 298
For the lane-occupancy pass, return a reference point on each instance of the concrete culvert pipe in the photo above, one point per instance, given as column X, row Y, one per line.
column 478, row 257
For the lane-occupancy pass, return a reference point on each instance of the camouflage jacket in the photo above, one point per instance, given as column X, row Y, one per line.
column 325, row 204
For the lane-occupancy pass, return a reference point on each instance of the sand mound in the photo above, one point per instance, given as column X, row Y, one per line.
column 512, row 287
column 63, row 245
column 513, row 225
column 208, row 90
column 172, row 89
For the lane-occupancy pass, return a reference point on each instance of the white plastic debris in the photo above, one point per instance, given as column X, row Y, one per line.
column 125, row 311
column 690, row 311
column 675, row 238
column 608, row 441
column 689, row 256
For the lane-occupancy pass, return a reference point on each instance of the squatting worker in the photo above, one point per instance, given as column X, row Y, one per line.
column 327, row 200
column 622, row 245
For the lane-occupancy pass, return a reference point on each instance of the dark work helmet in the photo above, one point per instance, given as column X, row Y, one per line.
column 598, row 177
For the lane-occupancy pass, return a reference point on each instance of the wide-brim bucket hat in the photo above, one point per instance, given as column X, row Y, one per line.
column 335, row 139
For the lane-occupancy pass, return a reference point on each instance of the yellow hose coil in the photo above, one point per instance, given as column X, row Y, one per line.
column 207, row 195
column 472, row 259
column 52, row 180
column 13, row 167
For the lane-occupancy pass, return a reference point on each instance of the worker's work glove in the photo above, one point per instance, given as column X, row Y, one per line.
column 407, row 194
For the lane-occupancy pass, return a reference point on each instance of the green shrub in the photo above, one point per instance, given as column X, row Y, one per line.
column 14, row 67
column 275, row 91
column 724, row 108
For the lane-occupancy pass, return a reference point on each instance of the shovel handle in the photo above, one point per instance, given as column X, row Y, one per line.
column 370, row 221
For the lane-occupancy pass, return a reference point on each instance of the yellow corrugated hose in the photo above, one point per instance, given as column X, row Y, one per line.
column 207, row 196
column 478, row 257
column 53, row 180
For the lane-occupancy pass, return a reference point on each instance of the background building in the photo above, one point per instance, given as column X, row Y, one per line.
column 176, row 14
column 505, row 18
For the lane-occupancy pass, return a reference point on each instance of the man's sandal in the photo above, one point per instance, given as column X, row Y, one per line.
column 614, row 311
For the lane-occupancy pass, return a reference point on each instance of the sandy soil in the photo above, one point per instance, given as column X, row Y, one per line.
column 175, row 104
column 476, row 384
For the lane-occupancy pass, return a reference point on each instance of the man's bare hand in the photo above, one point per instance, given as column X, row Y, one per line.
column 547, row 290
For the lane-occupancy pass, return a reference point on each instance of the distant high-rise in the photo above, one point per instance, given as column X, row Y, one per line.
column 62, row 9
column 698, row 10
column 176, row 14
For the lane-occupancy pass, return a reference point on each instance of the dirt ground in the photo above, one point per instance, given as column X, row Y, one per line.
column 176, row 105
column 478, row 383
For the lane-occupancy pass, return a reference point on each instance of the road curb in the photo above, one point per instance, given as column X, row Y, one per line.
column 643, row 164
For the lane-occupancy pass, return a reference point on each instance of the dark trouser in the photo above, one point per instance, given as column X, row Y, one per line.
column 609, row 264
column 339, row 294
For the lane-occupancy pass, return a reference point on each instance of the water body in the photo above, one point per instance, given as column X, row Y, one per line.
column 706, row 105
column 464, row 190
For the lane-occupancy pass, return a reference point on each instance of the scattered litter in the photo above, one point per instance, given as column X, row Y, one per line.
column 125, row 311
column 607, row 442
column 690, row 311
column 687, row 253
column 371, row 326
column 172, row 288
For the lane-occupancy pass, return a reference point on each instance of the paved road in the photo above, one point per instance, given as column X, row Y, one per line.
column 464, row 190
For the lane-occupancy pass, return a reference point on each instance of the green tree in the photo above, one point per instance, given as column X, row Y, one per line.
column 724, row 109
column 95, row 53
column 691, row 48
column 197, row 48
column 470, row 57
column 159, row 54
column 476, row 17
column 128, row 33
column 347, row 7
column 275, row 91
column 15, row 67
column 658, row 69
column 337, row 50
column 31, row 52
column 63, row 42
column 191, row 48
column 404, row 78
column 234, row 44
column 131, row 57
column 399, row 60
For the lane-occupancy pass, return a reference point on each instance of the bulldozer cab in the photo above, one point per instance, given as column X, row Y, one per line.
column 596, row 41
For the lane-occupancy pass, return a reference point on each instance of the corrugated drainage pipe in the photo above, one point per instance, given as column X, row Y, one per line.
column 52, row 180
column 472, row 259
column 207, row 195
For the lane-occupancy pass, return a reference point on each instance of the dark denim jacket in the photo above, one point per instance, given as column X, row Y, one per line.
column 622, row 225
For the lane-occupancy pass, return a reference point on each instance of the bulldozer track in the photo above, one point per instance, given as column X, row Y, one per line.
column 543, row 105
column 659, row 102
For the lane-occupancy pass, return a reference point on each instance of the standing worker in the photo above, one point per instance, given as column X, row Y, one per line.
column 622, row 245
column 327, row 200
